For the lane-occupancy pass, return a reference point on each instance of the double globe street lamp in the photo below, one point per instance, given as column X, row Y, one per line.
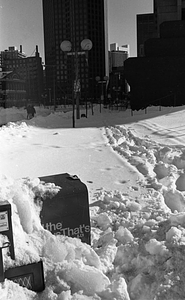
column 67, row 47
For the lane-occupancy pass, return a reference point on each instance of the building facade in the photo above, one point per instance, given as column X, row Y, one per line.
column 10, row 54
column 118, row 87
column 29, row 68
column 118, row 55
column 12, row 89
column 74, row 21
column 146, row 28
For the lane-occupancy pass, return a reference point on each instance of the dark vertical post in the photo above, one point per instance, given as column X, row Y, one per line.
column 73, row 95
column 86, row 84
column 77, row 86
column 76, row 95
column 2, row 275
column 175, row 97
column 54, row 94
column 1, row 266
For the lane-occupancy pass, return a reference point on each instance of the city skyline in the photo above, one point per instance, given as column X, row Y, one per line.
column 21, row 23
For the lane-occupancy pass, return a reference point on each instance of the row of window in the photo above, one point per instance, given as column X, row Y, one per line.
column 13, row 86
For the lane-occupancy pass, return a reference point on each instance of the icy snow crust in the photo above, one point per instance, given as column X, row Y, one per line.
column 138, row 246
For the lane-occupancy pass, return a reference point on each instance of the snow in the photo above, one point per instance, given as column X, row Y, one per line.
column 133, row 167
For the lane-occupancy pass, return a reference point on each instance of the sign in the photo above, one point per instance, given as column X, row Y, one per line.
column 67, row 213
column 102, row 81
column 4, row 221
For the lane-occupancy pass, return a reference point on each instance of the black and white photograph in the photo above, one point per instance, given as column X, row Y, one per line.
column 92, row 149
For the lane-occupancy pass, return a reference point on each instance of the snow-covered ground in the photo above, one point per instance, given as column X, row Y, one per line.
column 133, row 167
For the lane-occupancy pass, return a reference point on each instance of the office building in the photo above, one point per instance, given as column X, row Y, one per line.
column 29, row 69
column 117, row 84
column 117, row 55
column 146, row 28
column 74, row 21
column 11, row 53
column 148, row 25
column 156, row 76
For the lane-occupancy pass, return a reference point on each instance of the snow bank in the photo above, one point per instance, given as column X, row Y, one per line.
column 122, row 248
column 137, row 249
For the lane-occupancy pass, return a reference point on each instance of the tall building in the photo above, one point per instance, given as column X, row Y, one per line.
column 148, row 25
column 74, row 21
column 168, row 10
column 146, row 28
column 157, row 76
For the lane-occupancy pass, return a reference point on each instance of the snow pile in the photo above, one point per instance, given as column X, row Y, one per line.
column 137, row 247
column 14, row 114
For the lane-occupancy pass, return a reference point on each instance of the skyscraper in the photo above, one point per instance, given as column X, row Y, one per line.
column 157, row 76
column 148, row 25
column 74, row 21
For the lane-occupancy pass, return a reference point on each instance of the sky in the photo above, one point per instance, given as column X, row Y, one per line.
column 133, row 168
column 21, row 23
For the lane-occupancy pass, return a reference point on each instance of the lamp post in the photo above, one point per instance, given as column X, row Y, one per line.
column 105, row 79
column 67, row 47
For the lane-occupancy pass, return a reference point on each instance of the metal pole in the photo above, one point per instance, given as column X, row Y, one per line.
column 50, row 96
column 76, row 62
column 100, row 97
column 76, row 86
column 86, row 110
column 102, row 91
column 1, row 266
column 54, row 100
column 85, row 93
column 73, row 96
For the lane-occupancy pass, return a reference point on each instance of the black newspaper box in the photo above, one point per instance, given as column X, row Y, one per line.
column 6, row 224
column 67, row 213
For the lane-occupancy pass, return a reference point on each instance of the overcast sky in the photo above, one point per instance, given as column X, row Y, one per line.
column 21, row 23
